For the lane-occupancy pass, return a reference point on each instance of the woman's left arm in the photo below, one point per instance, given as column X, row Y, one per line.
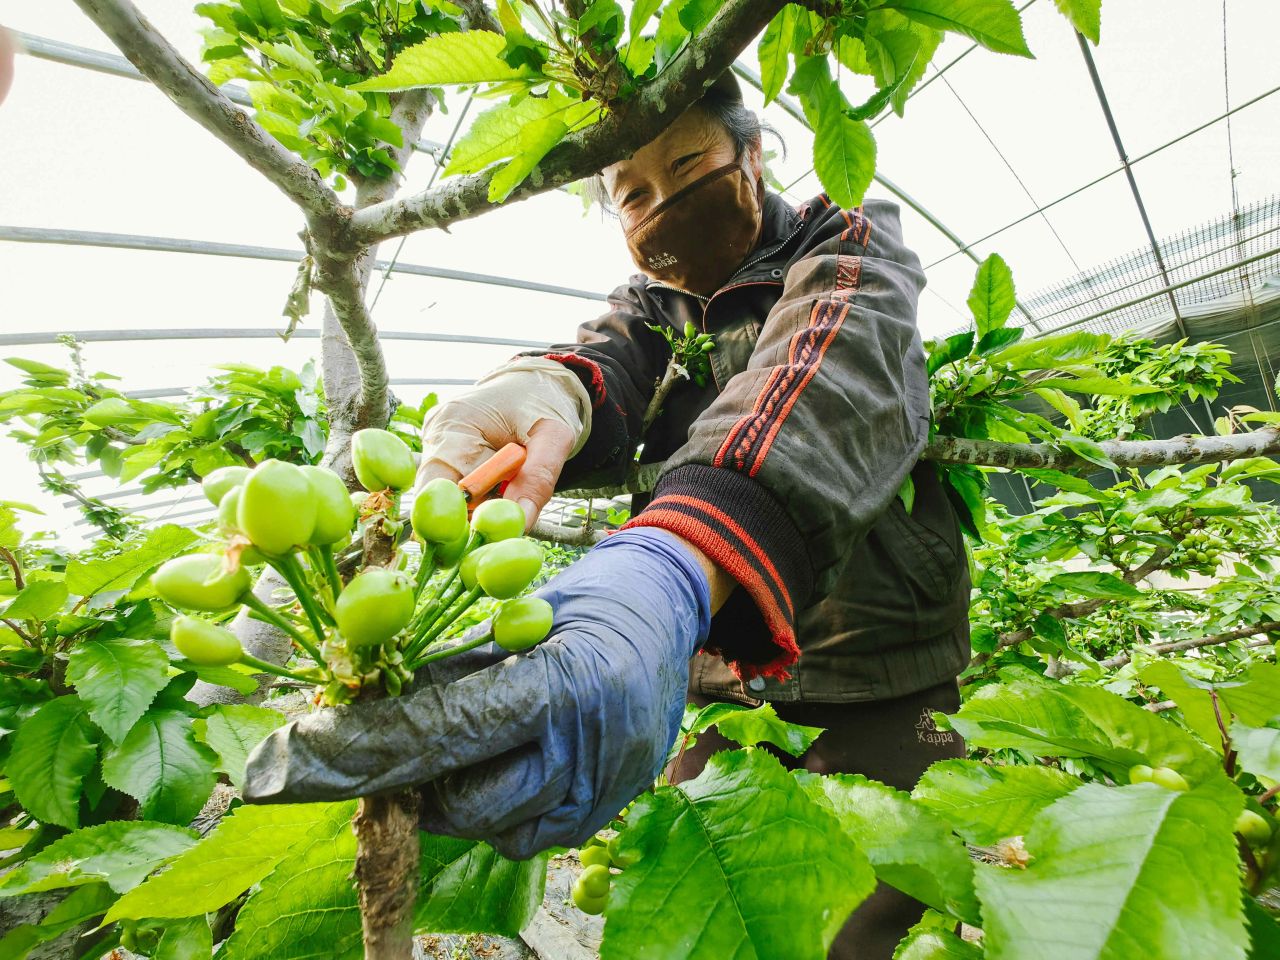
column 804, row 449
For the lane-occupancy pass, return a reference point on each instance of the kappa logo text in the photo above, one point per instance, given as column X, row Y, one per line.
column 927, row 731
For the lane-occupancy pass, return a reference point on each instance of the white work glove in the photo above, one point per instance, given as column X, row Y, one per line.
column 530, row 400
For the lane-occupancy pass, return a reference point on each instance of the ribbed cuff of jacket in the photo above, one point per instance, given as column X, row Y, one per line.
column 609, row 439
column 743, row 529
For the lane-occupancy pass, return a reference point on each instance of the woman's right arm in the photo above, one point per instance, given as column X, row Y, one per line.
column 619, row 360
column 576, row 407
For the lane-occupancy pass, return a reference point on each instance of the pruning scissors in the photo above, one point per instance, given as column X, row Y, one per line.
column 494, row 474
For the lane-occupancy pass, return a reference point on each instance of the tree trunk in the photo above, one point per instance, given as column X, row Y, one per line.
column 387, row 871
column 386, row 826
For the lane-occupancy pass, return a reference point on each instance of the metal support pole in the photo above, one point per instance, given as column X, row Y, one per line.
column 1133, row 183
column 246, row 333
column 125, row 241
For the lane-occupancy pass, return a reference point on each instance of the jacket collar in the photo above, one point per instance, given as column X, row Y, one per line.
column 779, row 222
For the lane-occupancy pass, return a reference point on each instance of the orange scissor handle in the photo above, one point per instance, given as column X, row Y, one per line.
column 502, row 466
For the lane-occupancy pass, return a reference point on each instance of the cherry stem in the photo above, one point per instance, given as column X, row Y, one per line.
column 426, row 567
column 268, row 613
column 294, row 575
column 265, row 667
column 453, row 651
column 432, row 611
column 447, row 620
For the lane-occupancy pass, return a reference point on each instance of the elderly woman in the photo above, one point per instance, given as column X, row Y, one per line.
column 775, row 545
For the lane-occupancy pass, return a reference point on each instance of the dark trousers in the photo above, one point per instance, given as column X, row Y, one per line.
column 892, row 741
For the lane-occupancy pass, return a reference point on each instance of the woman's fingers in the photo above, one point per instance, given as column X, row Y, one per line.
column 548, row 448
column 452, row 447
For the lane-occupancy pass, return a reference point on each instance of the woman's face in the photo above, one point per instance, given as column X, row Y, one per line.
column 692, row 146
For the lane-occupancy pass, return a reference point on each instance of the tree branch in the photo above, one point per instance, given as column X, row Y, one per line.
column 478, row 15
column 354, row 368
column 12, row 561
column 199, row 99
column 616, row 136
column 670, row 377
column 1027, row 456
column 584, row 536
column 1124, row 453
column 1267, row 626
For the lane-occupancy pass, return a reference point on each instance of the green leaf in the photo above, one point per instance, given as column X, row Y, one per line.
column 14, row 838
column 641, row 12
column 750, row 726
column 844, row 149
column 1099, row 386
column 1086, row 449
column 985, row 804
column 187, row 939
column 774, row 51
column 38, row 600
column 995, row 24
column 241, row 851
column 908, row 845
column 306, row 906
column 1085, row 16
column 994, row 340
column 122, row 853
column 965, row 491
column 1053, row 351
column 936, row 945
column 1053, row 720
column 52, row 753
column 496, row 133
column 40, row 371
column 470, row 57
column 1258, row 749
column 955, row 347
column 992, row 298
column 219, row 676
column 233, row 730
column 162, row 767
column 83, row 903
column 467, row 887
column 117, row 679
column 716, row 845
column 1264, row 931
column 1096, row 584
column 87, row 577
column 1129, row 871
column 1194, row 701
column 907, row 494
column 671, row 34
column 536, row 140
column 696, row 14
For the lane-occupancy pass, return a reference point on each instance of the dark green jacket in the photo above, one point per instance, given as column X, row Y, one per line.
column 785, row 467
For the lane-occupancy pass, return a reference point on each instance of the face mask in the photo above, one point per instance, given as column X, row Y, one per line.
column 696, row 238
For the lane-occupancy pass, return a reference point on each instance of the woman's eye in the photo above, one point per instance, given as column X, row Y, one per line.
column 687, row 158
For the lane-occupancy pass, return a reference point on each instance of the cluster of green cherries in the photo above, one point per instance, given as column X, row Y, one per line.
column 1251, row 825
column 591, row 889
column 384, row 623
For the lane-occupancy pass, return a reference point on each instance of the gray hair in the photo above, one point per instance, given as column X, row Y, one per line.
column 745, row 129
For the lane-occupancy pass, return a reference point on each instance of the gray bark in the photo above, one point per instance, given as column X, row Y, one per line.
column 1029, row 456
